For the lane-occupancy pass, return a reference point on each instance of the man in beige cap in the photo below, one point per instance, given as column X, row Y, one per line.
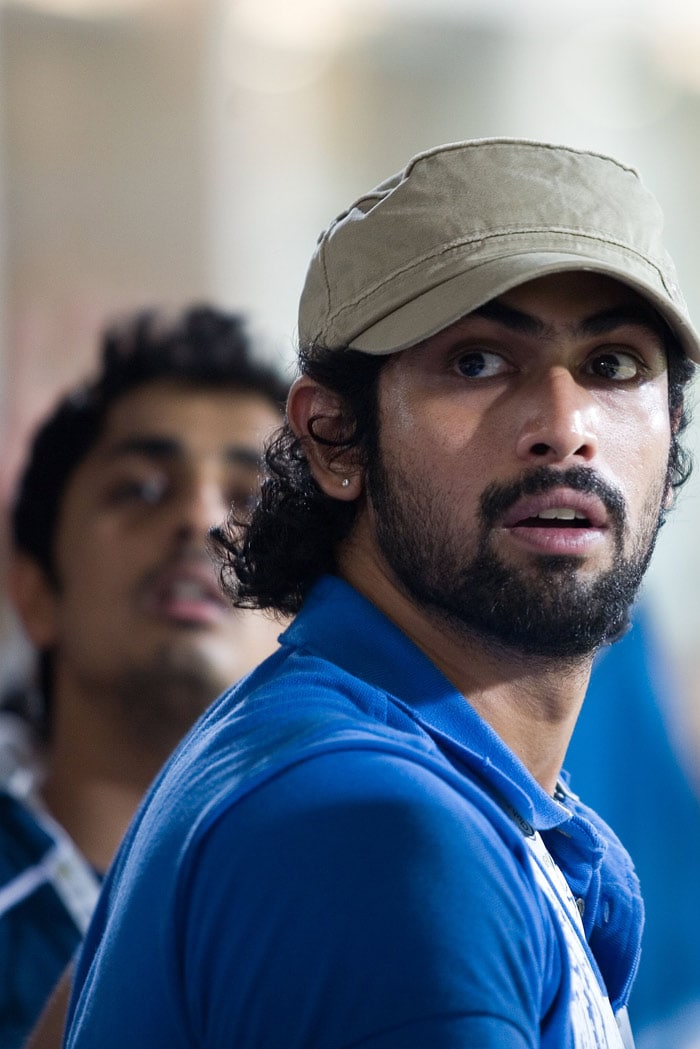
column 369, row 842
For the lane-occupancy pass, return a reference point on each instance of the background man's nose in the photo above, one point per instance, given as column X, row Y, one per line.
column 203, row 505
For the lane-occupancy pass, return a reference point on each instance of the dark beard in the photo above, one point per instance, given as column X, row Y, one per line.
column 544, row 611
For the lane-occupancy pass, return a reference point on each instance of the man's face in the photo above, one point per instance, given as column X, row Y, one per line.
column 522, row 464
column 137, row 595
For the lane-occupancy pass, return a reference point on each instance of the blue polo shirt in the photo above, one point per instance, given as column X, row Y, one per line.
column 337, row 855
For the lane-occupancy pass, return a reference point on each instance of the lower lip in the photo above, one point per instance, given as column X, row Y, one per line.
column 572, row 542
column 188, row 612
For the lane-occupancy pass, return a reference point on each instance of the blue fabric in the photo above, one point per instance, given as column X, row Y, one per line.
column 37, row 935
column 324, row 863
column 622, row 759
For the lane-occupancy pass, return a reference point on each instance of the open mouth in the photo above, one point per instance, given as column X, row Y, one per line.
column 556, row 517
column 561, row 522
column 186, row 592
column 557, row 509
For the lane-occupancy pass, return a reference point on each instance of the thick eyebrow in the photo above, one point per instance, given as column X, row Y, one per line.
column 601, row 323
column 631, row 315
column 167, row 449
column 509, row 317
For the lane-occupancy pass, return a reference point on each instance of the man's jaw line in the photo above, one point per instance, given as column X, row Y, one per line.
column 457, row 645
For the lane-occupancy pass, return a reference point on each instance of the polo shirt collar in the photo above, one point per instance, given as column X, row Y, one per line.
column 339, row 624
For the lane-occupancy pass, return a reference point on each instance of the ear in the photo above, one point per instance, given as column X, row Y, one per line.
column 316, row 415
column 34, row 599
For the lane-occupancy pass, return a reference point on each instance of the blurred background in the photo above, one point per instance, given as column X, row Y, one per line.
column 169, row 150
column 165, row 151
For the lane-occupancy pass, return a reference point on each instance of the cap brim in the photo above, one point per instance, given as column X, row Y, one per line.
column 446, row 303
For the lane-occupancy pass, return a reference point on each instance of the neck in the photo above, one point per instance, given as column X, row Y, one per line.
column 94, row 808
column 98, row 766
column 531, row 702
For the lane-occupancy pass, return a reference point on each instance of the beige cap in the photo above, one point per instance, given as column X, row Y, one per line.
column 465, row 222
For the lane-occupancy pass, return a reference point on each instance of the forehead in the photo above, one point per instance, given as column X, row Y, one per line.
column 572, row 303
column 196, row 420
column 578, row 293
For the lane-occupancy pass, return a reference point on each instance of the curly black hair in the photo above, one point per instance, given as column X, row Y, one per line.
column 272, row 560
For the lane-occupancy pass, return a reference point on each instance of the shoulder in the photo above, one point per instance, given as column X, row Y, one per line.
column 359, row 829
column 298, row 756
column 336, row 845
column 366, row 862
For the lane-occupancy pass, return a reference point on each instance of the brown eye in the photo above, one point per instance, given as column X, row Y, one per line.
column 148, row 491
column 480, row 364
column 617, row 367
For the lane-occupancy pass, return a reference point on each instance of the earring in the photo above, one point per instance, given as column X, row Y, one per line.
column 345, row 482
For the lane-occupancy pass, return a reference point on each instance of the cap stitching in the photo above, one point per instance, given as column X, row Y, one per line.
column 326, row 280
column 339, row 310
column 551, row 147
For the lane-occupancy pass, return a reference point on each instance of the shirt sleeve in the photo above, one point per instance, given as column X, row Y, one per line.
column 359, row 900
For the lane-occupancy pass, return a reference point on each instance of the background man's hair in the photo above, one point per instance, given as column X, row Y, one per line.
column 272, row 560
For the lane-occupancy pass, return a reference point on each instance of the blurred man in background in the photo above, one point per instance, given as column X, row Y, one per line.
column 115, row 587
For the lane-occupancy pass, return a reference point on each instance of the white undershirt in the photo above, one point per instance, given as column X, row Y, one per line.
column 593, row 1022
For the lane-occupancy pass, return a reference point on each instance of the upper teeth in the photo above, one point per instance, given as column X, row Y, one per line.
column 562, row 513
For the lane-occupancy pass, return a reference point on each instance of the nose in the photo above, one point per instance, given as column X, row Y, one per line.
column 559, row 422
column 202, row 505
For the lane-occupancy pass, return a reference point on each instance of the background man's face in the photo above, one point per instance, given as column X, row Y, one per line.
column 523, row 464
column 137, row 590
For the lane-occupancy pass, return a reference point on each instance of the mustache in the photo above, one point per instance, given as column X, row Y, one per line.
column 498, row 498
